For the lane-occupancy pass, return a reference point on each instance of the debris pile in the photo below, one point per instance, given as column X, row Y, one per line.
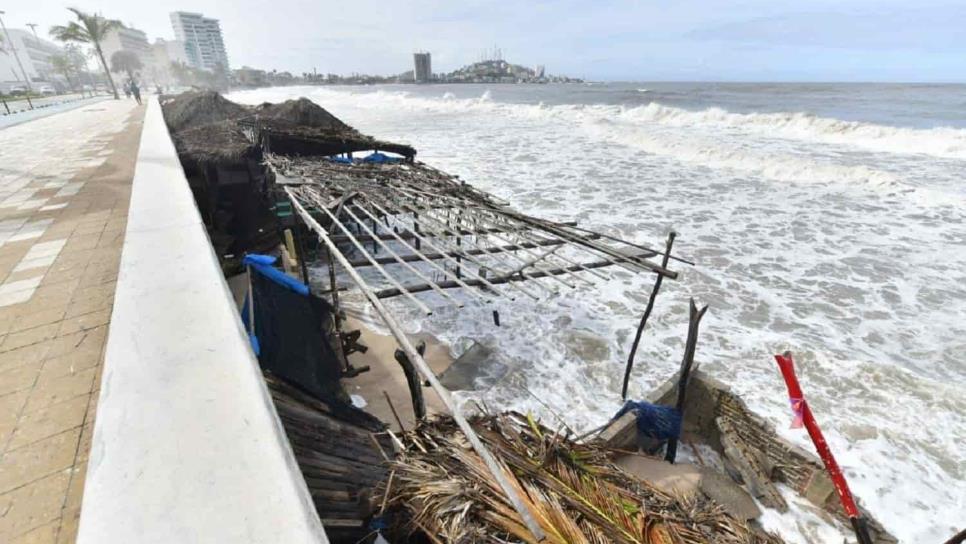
column 575, row 492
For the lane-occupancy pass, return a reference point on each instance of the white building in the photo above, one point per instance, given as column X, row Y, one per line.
column 201, row 35
column 34, row 54
column 129, row 39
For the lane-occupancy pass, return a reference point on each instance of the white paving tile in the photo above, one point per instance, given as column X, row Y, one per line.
column 39, row 262
column 44, row 249
column 28, row 284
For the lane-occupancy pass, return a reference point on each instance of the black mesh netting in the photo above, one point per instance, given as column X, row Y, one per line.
column 291, row 330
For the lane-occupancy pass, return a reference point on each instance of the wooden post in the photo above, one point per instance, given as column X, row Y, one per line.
column 689, row 349
column 415, row 385
column 647, row 313
column 301, row 257
column 416, row 230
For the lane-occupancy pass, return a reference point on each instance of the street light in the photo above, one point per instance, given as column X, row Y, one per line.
column 16, row 56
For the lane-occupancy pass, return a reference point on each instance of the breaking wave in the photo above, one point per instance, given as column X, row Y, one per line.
column 655, row 128
column 940, row 142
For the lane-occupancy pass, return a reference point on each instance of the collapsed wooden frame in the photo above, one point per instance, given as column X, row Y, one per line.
column 449, row 235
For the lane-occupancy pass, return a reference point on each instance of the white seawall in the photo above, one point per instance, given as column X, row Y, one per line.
column 187, row 445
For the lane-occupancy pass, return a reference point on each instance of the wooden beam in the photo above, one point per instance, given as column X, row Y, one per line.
column 412, row 258
column 339, row 239
column 393, row 292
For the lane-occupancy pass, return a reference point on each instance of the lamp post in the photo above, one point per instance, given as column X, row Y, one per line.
column 16, row 56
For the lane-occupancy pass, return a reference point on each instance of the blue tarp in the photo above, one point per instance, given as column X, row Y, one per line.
column 343, row 160
column 378, row 157
column 653, row 420
column 263, row 264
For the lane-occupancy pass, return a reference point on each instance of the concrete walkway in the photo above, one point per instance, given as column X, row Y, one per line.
column 65, row 185
column 46, row 107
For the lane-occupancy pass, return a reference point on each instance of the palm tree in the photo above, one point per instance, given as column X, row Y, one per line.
column 125, row 61
column 88, row 29
column 62, row 65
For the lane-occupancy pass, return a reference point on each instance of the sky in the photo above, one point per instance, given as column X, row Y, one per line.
column 644, row 40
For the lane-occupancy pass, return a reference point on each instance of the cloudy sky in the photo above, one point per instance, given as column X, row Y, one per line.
column 684, row 40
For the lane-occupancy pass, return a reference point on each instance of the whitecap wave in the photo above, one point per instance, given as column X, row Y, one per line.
column 940, row 142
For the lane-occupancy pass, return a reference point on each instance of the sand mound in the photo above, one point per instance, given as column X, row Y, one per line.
column 193, row 109
column 302, row 112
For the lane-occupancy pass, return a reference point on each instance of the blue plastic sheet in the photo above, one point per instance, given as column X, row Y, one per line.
column 263, row 264
column 378, row 157
column 653, row 420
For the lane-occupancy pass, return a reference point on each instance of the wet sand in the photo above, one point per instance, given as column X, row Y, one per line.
column 386, row 375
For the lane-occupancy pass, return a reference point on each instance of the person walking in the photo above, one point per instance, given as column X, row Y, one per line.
column 136, row 91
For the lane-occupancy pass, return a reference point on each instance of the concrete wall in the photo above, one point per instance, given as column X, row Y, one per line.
column 187, row 446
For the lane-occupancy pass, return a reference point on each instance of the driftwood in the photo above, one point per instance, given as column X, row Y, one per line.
column 685, row 372
column 412, row 379
column 647, row 313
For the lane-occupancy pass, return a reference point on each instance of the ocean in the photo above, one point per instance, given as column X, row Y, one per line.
column 825, row 219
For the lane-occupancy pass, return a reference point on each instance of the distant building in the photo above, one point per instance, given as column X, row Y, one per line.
column 203, row 43
column 250, row 77
column 423, row 72
column 129, row 39
column 34, row 54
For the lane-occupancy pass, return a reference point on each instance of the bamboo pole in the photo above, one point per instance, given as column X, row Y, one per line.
column 396, row 256
column 533, row 237
column 378, row 267
column 536, row 256
column 493, row 251
column 427, row 372
column 504, row 279
column 414, row 257
column 418, row 255
column 442, row 240
column 511, row 254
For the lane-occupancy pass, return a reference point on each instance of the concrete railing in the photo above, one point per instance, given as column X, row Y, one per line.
column 187, row 446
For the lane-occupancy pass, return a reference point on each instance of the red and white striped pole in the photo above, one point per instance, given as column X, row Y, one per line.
column 803, row 416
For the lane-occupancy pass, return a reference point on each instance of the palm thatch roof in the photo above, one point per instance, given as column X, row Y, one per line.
column 196, row 108
column 207, row 128
column 575, row 492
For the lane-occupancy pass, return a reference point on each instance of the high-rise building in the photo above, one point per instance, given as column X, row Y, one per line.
column 126, row 38
column 424, row 67
column 34, row 54
column 203, row 44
